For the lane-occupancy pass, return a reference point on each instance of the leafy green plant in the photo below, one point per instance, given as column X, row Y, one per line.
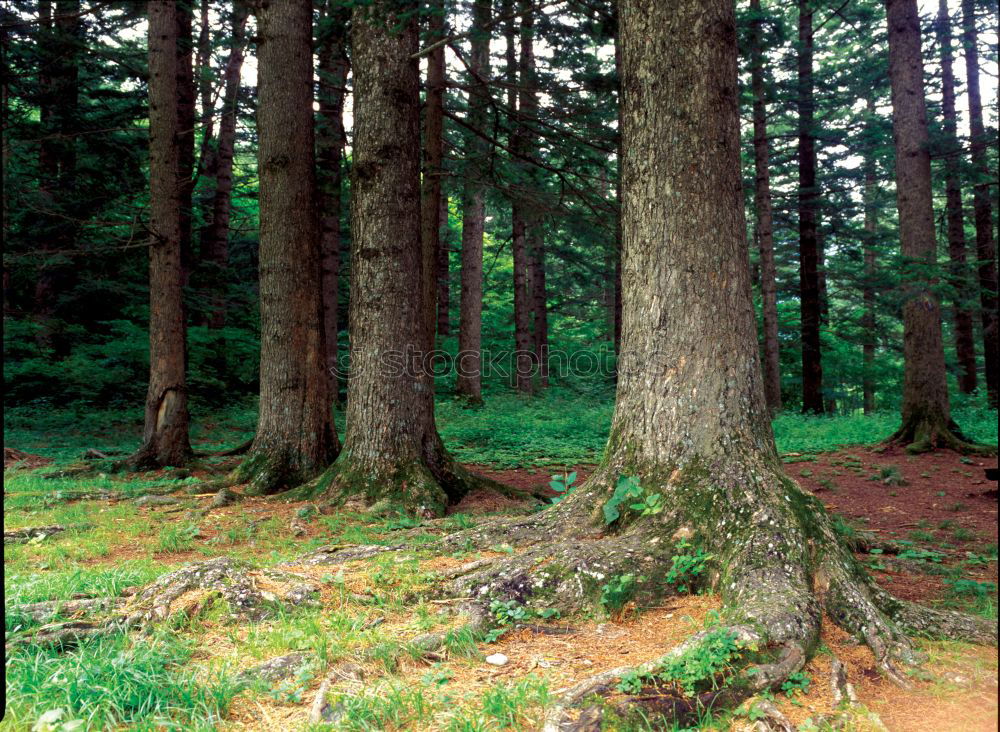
column 889, row 475
column 618, row 591
column 509, row 612
column 796, row 683
column 704, row 664
column 626, row 489
column 562, row 484
column 687, row 566
column 921, row 555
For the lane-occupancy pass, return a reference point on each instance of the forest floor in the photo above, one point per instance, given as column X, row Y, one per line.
column 937, row 510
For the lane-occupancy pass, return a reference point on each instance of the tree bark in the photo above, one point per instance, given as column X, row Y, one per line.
column 981, row 201
column 393, row 457
column 926, row 412
column 519, row 245
column 691, row 431
column 809, row 284
column 186, row 96
column 165, row 435
column 433, row 172
column 868, row 325
column 215, row 233
column 330, row 140
column 965, row 348
column 295, row 437
column 469, row 381
column 443, row 270
column 762, row 201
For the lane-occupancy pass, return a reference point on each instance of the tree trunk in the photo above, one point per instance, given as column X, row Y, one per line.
column 518, row 143
column 443, row 270
column 926, row 411
column 165, row 435
column 215, row 233
column 985, row 249
column 469, row 381
column 59, row 86
column 691, row 442
column 868, row 288
column 433, row 172
column 539, row 306
column 295, row 437
column 959, row 276
column 392, row 457
column 185, row 127
column 809, row 285
column 330, row 139
column 765, row 232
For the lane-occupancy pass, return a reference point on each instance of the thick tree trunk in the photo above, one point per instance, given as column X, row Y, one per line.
column 186, row 96
column 295, row 437
column 868, row 328
column 809, row 284
column 926, row 411
column 523, row 360
column 165, row 435
column 765, row 232
column 59, row 52
column 392, row 457
column 981, row 201
column 215, row 233
column 469, row 381
column 443, row 270
column 691, row 427
column 330, row 140
column 433, row 172
column 959, row 277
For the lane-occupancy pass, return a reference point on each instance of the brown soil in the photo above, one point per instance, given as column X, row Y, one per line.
column 13, row 458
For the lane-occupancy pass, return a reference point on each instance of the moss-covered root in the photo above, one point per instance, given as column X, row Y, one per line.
column 265, row 473
column 925, row 435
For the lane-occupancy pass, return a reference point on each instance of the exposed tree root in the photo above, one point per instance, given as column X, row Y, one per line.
column 925, row 435
column 43, row 612
column 19, row 536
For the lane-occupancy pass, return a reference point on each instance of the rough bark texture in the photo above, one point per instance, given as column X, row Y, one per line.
column 295, row 438
column 965, row 349
column 59, row 96
column 215, row 233
column 809, row 284
column 690, row 420
column 443, row 271
column 469, row 381
column 165, row 435
column 431, row 208
column 762, row 201
column 332, row 39
column 519, row 245
column 392, row 456
column 186, row 96
column 868, row 286
column 926, row 411
column 981, row 201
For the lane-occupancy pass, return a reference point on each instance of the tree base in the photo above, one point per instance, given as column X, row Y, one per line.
column 923, row 434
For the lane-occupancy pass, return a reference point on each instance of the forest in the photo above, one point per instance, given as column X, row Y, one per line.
column 481, row 365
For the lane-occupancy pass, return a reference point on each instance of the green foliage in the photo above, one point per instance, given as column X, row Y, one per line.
column 703, row 664
column 562, row 484
column 687, row 566
column 618, row 590
column 627, row 488
column 889, row 475
column 796, row 683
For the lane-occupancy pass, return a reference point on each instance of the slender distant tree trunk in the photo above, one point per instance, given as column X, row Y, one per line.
column 295, row 437
column 442, row 268
column 809, row 283
column 765, row 232
column 215, row 233
column 186, row 96
column 330, row 139
column 433, row 172
column 981, row 201
column 203, row 76
column 165, row 435
column 926, row 412
column 540, row 344
column 519, row 244
column 469, row 381
column 964, row 345
column 691, row 430
column 868, row 288
column 59, row 114
column 392, row 457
